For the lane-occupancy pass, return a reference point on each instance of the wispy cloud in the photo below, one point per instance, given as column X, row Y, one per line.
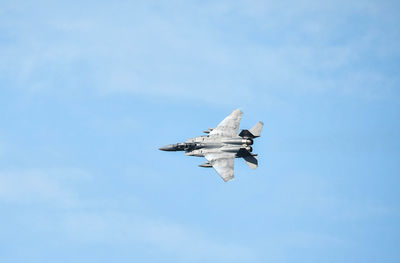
column 157, row 51
column 37, row 186
column 76, row 218
column 174, row 239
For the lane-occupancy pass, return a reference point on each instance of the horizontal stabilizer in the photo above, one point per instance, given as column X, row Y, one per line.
column 252, row 161
column 246, row 134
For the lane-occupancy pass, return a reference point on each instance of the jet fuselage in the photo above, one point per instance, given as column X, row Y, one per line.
column 199, row 146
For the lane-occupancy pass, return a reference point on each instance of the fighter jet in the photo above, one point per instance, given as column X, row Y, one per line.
column 222, row 145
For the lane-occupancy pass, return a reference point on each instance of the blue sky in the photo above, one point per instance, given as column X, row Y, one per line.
column 90, row 90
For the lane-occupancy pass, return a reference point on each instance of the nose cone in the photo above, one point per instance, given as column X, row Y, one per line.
column 168, row 148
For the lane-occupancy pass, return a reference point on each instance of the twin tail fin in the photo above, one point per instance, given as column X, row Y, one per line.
column 252, row 159
column 253, row 132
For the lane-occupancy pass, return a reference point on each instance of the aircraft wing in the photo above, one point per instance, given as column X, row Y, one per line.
column 229, row 127
column 223, row 163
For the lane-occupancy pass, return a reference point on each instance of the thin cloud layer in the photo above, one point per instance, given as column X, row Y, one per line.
column 76, row 217
column 204, row 52
column 90, row 90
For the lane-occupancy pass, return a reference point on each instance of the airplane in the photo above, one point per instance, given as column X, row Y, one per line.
column 222, row 145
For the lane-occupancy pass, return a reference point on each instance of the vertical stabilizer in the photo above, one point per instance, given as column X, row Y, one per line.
column 256, row 130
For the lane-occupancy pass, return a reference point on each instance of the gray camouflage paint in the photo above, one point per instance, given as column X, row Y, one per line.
column 222, row 145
